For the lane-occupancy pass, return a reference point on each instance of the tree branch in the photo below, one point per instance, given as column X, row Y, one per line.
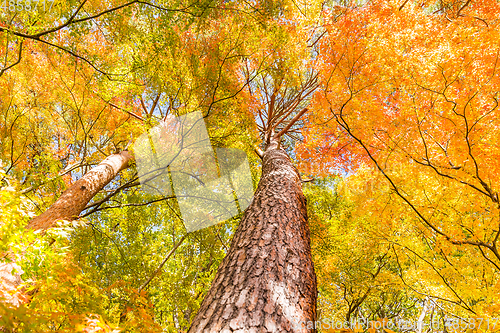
column 18, row 60
column 144, row 285
column 290, row 124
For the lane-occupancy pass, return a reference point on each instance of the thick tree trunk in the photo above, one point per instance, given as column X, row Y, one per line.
column 266, row 282
column 71, row 203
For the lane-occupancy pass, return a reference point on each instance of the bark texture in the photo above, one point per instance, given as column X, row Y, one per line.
column 266, row 282
column 71, row 203
column 67, row 207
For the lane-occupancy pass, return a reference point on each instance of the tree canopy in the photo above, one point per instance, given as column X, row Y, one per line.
column 389, row 110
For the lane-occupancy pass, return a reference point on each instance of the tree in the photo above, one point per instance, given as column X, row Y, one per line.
column 67, row 208
column 267, row 279
column 75, row 199
column 417, row 102
column 398, row 98
column 99, row 101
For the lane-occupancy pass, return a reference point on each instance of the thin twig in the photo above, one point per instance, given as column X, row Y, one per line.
column 144, row 285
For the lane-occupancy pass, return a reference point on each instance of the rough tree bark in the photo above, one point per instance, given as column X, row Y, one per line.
column 69, row 205
column 266, row 282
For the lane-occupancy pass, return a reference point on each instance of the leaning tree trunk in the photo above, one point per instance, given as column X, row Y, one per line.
column 266, row 282
column 69, row 205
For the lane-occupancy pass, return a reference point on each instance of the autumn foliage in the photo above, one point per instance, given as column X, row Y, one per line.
column 408, row 107
column 398, row 153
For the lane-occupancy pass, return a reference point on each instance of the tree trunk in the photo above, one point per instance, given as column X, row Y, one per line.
column 71, row 203
column 266, row 282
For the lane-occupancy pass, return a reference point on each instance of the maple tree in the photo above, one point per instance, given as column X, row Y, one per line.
column 415, row 105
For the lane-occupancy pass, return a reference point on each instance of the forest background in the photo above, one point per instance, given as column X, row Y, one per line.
column 397, row 149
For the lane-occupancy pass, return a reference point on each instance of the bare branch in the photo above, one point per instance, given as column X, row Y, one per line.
column 15, row 63
column 290, row 124
column 462, row 8
column 259, row 152
column 144, row 285
column 402, row 6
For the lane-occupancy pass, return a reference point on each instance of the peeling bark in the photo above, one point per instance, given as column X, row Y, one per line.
column 266, row 282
